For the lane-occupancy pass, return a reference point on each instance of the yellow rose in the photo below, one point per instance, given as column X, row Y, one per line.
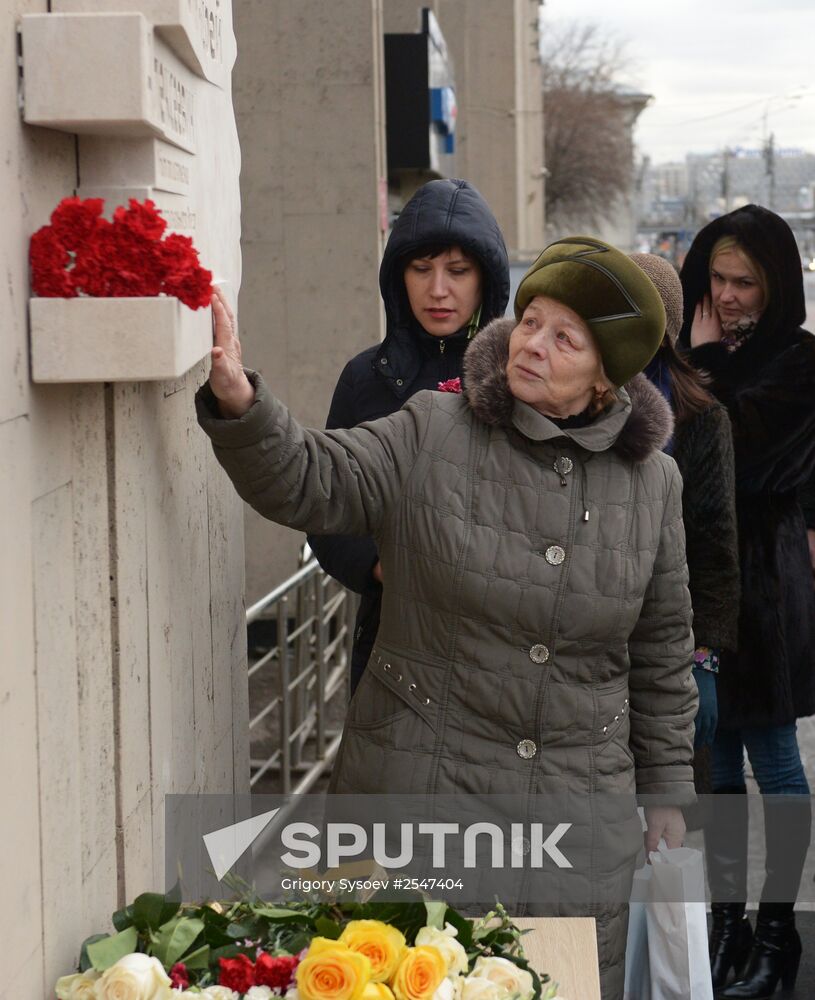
column 80, row 986
column 377, row 991
column 330, row 971
column 135, row 977
column 419, row 974
column 384, row 945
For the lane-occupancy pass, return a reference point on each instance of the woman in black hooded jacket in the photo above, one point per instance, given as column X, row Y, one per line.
column 417, row 353
column 744, row 306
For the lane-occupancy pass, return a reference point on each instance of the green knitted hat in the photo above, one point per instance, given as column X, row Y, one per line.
column 614, row 297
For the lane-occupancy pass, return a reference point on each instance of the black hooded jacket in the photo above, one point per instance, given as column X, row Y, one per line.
column 378, row 381
column 768, row 387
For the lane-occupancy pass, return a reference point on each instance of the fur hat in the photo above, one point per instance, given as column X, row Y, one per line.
column 665, row 278
column 611, row 294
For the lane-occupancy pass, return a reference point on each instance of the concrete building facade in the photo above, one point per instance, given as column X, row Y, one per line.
column 309, row 100
column 122, row 672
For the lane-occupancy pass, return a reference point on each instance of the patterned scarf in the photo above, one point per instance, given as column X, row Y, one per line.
column 737, row 332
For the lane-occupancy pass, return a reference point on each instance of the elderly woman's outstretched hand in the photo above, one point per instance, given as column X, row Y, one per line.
column 227, row 379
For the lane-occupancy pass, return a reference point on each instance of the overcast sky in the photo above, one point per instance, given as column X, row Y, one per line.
column 704, row 60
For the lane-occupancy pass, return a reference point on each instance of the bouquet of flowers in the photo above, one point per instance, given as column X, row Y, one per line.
column 82, row 253
column 163, row 950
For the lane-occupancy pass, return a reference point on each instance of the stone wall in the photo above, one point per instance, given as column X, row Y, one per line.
column 309, row 103
column 122, row 676
column 309, row 97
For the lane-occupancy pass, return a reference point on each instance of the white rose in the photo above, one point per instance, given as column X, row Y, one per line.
column 259, row 993
column 481, row 988
column 135, row 977
column 80, row 986
column 292, row 994
column 514, row 981
column 449, row 989
column 452, row 951
column 219, row 993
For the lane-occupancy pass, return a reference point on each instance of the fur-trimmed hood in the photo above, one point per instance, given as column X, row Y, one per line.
column 638, row 424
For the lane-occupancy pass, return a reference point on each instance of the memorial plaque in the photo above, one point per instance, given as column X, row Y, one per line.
column 106, row 74
column 108, row 162
column 199, row 31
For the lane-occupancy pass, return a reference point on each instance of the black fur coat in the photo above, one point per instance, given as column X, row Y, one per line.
column 768, row 387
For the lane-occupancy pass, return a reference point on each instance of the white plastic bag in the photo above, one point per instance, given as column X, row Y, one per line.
column 677, row 926
column 637, row 964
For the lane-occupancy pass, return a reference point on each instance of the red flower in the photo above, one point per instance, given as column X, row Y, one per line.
column 141, row 219
column 451, row 385
column 74, row 220
column 125, row 257
column 275, row 972
column 119, row 262
column 185, row 278
column 237, row 973
column 179, row 977
column 49, row 259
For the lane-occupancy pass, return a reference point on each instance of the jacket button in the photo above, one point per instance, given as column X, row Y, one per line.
column 564, row 465
column 399, row 381
column 527, row 749
column 539, row 653
column 555, row 555
column 383, row 361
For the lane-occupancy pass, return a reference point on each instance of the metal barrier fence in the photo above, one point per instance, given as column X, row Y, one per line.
column 305, row 669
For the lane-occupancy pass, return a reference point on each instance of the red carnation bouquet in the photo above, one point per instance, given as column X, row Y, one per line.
column 82, row 253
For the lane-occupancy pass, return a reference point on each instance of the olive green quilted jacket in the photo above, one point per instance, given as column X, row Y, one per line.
column 536, row 622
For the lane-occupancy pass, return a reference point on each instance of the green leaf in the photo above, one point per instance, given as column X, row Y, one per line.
column 175, row 937
column 228, row 951
column 122, row 919
column 296, row 943
column 109, row 950
column 278, row 913
column 151, row 910
column 84, row 961
column 435, row 914
column 328, row 928
column 198, row 959
column 240, row 931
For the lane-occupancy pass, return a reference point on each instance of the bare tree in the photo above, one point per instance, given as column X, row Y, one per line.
column 587, row 124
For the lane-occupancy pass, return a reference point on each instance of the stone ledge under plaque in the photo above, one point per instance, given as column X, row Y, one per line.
column 116, row 339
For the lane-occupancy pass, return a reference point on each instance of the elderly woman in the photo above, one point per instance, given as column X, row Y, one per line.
column 535, row 631
column 744, row 306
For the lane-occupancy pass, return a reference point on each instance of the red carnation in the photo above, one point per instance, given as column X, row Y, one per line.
column 237, row 973
column 185, row 278
column 125, row 257
column 275, row 972
column 179, row 977
column 49, row 260
column 119, row 262
column 451, row 385
column 74, row 220
column 143, row 219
